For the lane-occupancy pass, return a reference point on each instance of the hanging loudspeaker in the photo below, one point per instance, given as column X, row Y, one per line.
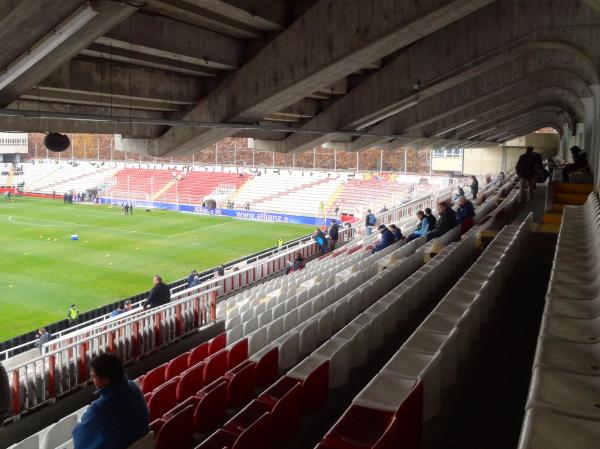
column 57, row 142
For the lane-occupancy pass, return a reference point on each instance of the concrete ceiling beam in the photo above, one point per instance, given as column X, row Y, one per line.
column 109, row 14
column 108, row 80
column 331, row 40
column 412, row 76
column 172, row 40
column 242, row 19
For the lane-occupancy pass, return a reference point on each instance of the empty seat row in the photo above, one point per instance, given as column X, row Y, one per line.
column 407, row 390
column 563, row 405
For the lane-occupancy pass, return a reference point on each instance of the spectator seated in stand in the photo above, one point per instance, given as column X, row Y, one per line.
column 431, row 218
column 422, row 228
column 119, row 417
column 460, row 192
column 580, row 163
column 465, row 209
column 386, row 239
column 445, row 223
column 465, row 214
column 396, row 231
column 297, row 264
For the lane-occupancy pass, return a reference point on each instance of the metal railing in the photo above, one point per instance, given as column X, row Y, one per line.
column 64, row 364
column 64, row 367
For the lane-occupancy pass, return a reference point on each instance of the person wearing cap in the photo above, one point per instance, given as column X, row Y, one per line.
column 386, row 238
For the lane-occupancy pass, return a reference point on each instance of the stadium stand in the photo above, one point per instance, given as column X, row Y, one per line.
column 561, row 409
column 306, row 324
column 294, row 192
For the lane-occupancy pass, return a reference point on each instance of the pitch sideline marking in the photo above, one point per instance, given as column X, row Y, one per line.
column 11, row 219
column 58, row 223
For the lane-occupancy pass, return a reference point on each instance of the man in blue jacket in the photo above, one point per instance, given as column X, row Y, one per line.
column 422, row 228
column 119, row 417
column 387, row 238
column 465, row 209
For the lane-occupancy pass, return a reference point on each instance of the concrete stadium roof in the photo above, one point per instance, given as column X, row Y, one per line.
column 175, row 76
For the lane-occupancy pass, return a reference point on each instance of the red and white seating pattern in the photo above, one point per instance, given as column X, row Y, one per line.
column 408, row 388
column 563, row 407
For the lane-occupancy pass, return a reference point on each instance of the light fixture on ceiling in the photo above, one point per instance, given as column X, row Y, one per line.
column 441, row 133
column 386, row 113
column 47, row 44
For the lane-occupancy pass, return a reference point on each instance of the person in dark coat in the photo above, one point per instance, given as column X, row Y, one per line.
column 191, row 278
column 525, row 169
column 445, row 223
column 160, row 293
column 465, row 209
column 387, row 239
column 5, row 405
column 430, row 218
column 474, row 187
column 580, row 162
column 334, row 234
column 119, row 417
column 396, row 231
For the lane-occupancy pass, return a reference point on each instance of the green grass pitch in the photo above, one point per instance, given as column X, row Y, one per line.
column 42, row 271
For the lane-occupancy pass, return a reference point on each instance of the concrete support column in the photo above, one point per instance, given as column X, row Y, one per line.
column 594, row 151
column 590, row 112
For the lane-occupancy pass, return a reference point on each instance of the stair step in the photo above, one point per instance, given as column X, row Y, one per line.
column 546, row 228
column 552, row 218
column 557, row 208
column 570, row 198
column 571, row 187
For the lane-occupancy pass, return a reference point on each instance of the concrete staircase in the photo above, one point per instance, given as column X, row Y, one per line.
column 561, row 194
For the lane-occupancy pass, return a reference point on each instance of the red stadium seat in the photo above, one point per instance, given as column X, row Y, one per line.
column 177, row 366
column 177, row 432
column 190, row 382
column 198, row 354
column 193, row 401
column 254, row 437
column 410, row 418
column 267, row 368
column 240, row 384
column 285, row 413
column 315, row 385
column 210, row 411
column 466, row 225
column 217, row 343
column 163, row 399
column 153, row 379
column 237, row 353
column 364, row 428
column 216, row 365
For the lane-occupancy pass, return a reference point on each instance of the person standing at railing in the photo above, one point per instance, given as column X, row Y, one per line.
column 43, row 337
column 370, row 222
column 5, row 406
column 334, row 234
column 474, row 187
column 159, row 295
column 191, row 278
column 321, row 241
column 119, row 417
